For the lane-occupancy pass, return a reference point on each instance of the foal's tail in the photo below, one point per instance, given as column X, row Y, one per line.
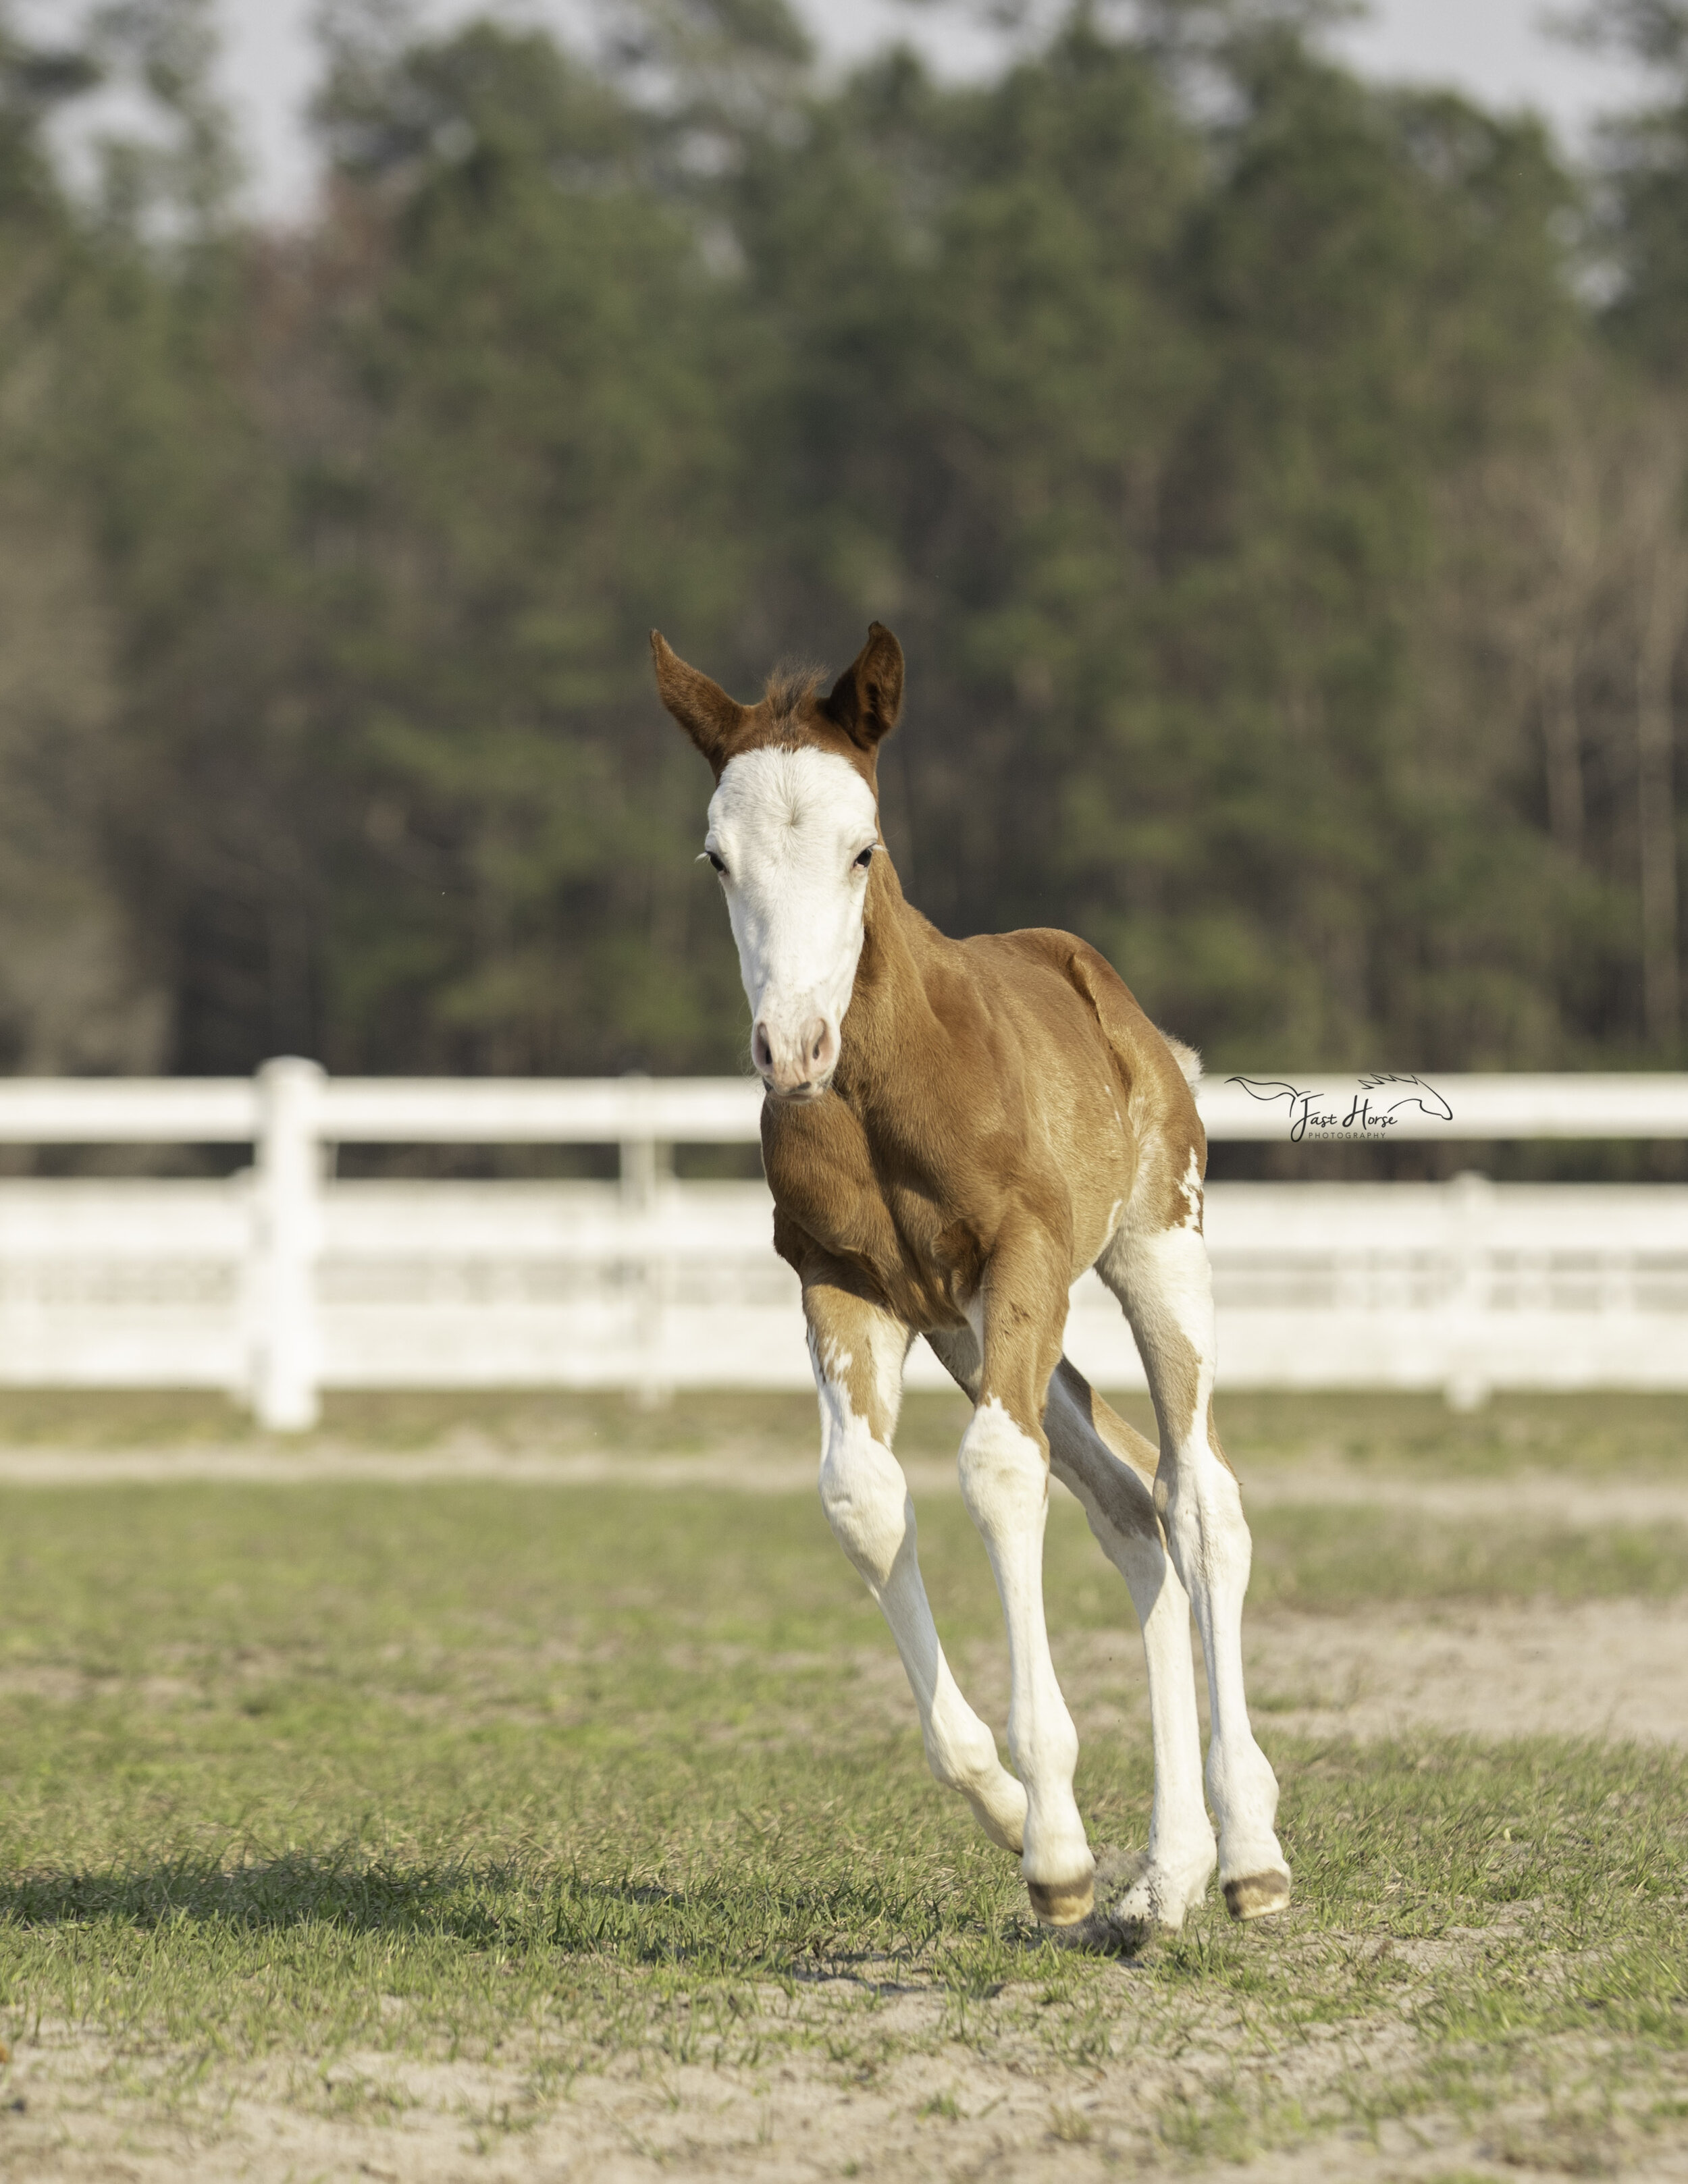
column 1188, row 1060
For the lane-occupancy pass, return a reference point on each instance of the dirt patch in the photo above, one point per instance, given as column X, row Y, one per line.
column 1534, row 1496
column 1537, row 1495
column 883, row 2088
column 1610, row 1669
column 1607, row 1668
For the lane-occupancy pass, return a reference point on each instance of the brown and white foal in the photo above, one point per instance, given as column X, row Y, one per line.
column 953, row 1131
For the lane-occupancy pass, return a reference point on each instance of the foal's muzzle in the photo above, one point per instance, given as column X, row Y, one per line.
column 799, row 1095
column 795, row 1067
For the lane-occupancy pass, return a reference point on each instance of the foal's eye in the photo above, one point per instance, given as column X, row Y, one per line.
column 866, row 857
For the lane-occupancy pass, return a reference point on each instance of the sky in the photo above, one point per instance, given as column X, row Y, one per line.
column 1499, row 51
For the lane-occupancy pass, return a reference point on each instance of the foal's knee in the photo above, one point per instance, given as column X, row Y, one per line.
column 1201, row 1507
column 865, row 1499
column 1004, row 1474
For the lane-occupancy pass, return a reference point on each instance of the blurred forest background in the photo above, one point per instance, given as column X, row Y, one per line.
column 1279, row 485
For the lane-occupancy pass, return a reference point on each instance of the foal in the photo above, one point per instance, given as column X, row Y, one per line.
column 953, row 1131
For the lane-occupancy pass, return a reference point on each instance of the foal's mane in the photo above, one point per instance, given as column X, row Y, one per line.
column 789, row 693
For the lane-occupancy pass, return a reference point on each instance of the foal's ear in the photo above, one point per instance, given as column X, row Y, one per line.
column 709, row 717
column 867, row 698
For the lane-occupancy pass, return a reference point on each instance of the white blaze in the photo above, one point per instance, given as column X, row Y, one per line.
column 788, row 827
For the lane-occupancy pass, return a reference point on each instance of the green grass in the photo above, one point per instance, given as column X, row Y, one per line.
column 1333, row 1558
column 582, row 1779
column 1591, row 1436
column 1588, row 1435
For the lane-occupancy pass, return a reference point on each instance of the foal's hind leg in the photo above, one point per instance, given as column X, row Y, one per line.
column 1161, row 1275
column 858, row 1351
column 1098, row 1457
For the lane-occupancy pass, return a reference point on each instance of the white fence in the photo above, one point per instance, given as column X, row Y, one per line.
column 282, row 1281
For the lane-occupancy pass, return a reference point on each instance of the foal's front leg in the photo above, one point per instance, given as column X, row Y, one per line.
column 858, row 1351
column 1005, row 1483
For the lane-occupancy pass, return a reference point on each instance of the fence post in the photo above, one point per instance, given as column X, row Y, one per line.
column 641, row 1167
column 1471, row 1365
column 288, row 1233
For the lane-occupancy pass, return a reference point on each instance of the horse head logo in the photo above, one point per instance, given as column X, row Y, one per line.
column 1420, row 1094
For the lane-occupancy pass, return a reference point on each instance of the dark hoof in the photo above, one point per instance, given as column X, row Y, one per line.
column 1257, row 1895
column 1059, row 1905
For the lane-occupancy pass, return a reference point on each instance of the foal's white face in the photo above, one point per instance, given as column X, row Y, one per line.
column 792, row 834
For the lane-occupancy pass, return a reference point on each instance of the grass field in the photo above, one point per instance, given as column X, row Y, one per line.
column 494, row 1829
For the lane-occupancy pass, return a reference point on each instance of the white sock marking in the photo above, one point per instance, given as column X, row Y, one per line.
column 1166, row 1284
column 1006, row 1487
column 868, row 1506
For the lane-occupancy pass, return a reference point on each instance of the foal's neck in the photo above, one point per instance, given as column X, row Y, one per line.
column 890, row 1004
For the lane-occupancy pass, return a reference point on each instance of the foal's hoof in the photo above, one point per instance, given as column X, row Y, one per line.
column 1257, row 1895
column 1059, row 1905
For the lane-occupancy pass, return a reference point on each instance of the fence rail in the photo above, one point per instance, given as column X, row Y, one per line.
column 727, row 1111
column 281, row 1282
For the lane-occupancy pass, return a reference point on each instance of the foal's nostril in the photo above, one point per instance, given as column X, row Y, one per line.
column 820, row 1047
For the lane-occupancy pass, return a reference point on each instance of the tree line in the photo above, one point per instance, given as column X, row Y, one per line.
column 1280, row 484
